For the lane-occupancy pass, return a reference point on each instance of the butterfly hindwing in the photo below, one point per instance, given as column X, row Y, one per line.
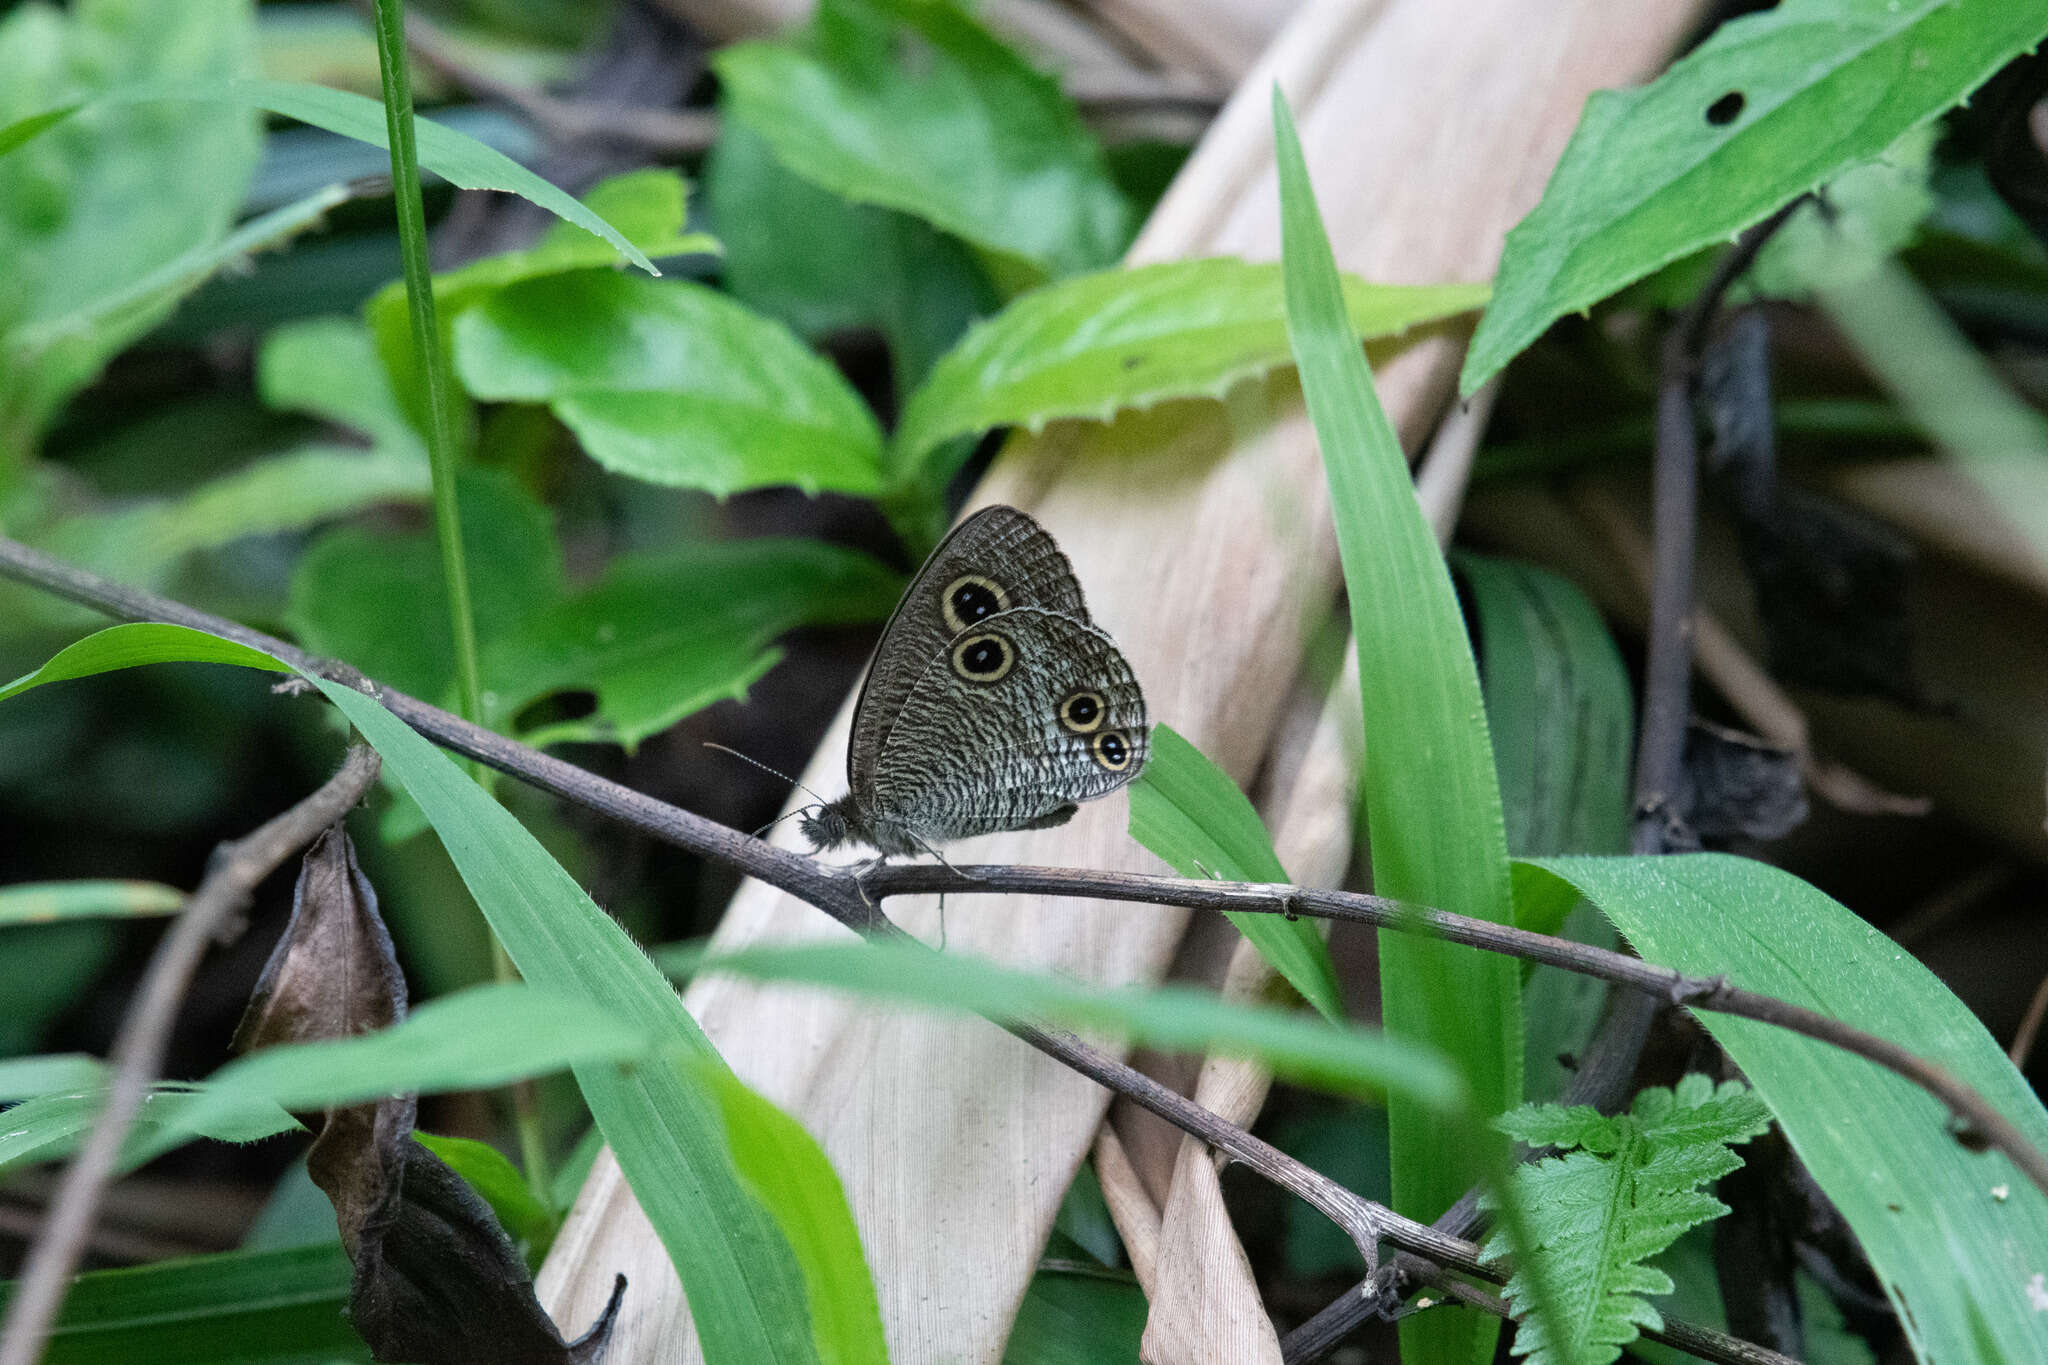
column 1028, row 711
column 996, row 560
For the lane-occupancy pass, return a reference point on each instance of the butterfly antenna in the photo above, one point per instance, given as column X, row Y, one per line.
column 790, row 815
column 773, row 772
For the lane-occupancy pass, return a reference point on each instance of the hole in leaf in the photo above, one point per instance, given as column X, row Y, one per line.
column 1726, row 109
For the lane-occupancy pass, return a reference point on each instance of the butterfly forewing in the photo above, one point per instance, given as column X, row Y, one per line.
column 997, row 560
column 1025, row 712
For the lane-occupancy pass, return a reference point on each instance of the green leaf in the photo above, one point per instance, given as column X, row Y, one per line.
column 1597, row 1214
column 377, row 600
column 665, row 634
column 810, row 259
column 1346, row 1059
column 1772, row 104
column 912, row 105
column 788, row 1172
column 1431, row 799
column 1188, row 811
column 50, row 1127
column 744, row 1286
column 1077, row 1320
column 1087, row 346
column 328, row 367
column 673, row 383
column 41, row 902
column 1951, row 1234
column 1559, row 706
column 455, row 157
column 648, row 207
column 72, row 236
column 475, row 1039
column 485, row 1169
column 237, row 1308
column 25, row 1078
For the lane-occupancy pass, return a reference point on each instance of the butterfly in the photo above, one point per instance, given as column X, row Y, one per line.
column 992, row 702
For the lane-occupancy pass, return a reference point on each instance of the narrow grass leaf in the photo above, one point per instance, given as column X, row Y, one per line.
column 42, row 902
column 1770, row 105
column 1431, row 797
column 455, row 157
column 1188, row 811
column 26, row 1078
column 790, row 1174
column 1348, row 1060
column 745, row 1288
column 237, row 1308
column 1953, row 1235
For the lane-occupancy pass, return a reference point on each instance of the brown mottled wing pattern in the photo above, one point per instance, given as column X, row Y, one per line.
column 969, row 758
column 998, row 543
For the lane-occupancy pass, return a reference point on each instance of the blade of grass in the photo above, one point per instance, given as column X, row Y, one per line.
column 1431, row 796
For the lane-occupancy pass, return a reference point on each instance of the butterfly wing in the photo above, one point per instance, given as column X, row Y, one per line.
column 1023, row 714
column 996, row 560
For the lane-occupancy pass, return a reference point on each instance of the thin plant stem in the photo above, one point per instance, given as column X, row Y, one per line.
column 426, row 343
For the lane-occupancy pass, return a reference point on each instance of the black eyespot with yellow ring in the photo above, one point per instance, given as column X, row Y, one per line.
column 1111, row 750
column 1082, row 712
column 971, row 599
column 984, row 658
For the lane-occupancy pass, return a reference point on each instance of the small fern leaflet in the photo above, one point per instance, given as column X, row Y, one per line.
column 1625, row 1188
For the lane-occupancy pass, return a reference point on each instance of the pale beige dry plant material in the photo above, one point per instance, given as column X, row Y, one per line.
column 1201, row 532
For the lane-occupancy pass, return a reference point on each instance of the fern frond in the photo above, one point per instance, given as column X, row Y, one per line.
column 1632, row 1186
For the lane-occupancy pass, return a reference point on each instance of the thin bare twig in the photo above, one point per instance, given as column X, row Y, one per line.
column 138, row 1051
column 852, row 901
column 2030, row 1026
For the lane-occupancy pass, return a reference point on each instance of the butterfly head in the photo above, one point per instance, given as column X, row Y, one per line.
column 828, row 825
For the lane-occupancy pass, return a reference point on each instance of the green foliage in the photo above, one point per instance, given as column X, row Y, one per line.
column 1069, row 1319
column 1346, row 1059
column 822, row 265
column 238, row 1308
column 786, row 1169
column 484, row 1169
column 1188, row 811
column 42, row 902
column 24, row 1078
column 1088, row 346
column 743, row 1281
column 1624, row 1190
column 1770, row 105
column 648, row 207
column 912, row 105
column 70, row 232
column 672, row 382
column 1943, row 1227
column 1562, row 717
column 1431, row 797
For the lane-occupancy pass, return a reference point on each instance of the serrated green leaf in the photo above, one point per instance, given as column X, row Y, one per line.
column 648, row 207
column 1952, row 1234
column 1087, row 346
column 42, row 902
column 1346, row 1059
column 788, row 1172
column 1771, row 105
column 673, row 383
column 455, row 157
column 237, row 1308
column 1431, row 797
column 912, row 105
column 1188, row 811
column 744, row 1286
column 665, row 634
column 1597, row 1213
